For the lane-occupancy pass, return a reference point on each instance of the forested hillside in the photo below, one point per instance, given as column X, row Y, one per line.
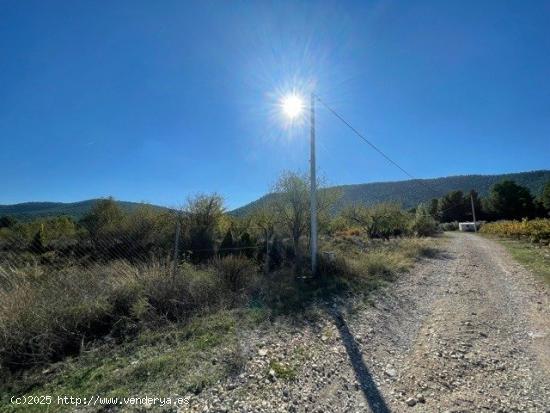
column 408, row 193
column 412, row 192
column 31, row 210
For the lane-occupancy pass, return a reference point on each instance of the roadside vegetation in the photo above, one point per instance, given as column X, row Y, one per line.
column 534, row 231
column 173, row 335
column 534, row 257
column 506, row 201
column 511, row 215
column 528, row 242
column 120, row 302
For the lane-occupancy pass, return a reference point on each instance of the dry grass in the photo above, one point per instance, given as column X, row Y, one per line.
column 46, row 316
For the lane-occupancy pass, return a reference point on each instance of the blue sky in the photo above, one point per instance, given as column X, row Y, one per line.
column 155, row 101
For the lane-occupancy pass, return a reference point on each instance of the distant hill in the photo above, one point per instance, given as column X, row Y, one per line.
column 31, row 210
column 410, row 193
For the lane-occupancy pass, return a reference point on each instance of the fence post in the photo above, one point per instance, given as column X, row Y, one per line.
column 176, row 248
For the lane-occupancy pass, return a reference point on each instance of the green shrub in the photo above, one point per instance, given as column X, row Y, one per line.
column 536, row 230
column 383, row 220
column 449, row 226
column 227, row 247
column 378, row 264
column 423, row 225
column 202, row 222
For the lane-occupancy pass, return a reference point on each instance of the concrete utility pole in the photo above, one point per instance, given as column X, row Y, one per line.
column 473, row 211
column 313, row 184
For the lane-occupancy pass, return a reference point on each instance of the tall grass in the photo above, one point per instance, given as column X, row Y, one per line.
column 46, row 314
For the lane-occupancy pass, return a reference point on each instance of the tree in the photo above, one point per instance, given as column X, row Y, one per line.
column 508, row 200
column 246, row 244
column 202, row 219
column 37, row 244
column 423, row 223
column 276, row 253
column 227, row 246
column 291, row 206
column 61, row 232
column 263, row 218
column 383, row 220
column 453, row 207
column 477, row 206
column 148, row 230
column 104, row 224
column 432, row 208
column 7, row 221
column 539, row 211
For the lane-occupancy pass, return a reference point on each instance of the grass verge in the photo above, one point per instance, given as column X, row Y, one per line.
column 534, row 257
column 177, row 360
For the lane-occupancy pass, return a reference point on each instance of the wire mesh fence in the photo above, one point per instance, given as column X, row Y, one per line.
column 43, row 243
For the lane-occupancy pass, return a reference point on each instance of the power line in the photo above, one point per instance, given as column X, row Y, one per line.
column 377, row 149
column 372, row 145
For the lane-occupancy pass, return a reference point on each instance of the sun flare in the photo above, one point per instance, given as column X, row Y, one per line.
column 292, row 106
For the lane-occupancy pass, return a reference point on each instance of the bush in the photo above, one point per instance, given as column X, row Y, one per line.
column 59, row 233
column 338, row 224
column 378, row 264
column 189, row 291
column 202, row 222
column 423, row 225
column 45, row 316
column 331, row 267
column 379, row 221
column 536, row 230
column 449, row 226
column 237, row 273
column 147, row 231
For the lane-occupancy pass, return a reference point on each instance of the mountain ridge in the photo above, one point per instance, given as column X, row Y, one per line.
column 43, row 209
column 409, row 193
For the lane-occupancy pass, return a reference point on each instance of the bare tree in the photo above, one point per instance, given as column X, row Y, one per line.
column 291, row 205
column 382, row 220
column 202, row 217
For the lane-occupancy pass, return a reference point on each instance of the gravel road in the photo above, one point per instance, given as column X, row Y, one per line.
column 467, row 331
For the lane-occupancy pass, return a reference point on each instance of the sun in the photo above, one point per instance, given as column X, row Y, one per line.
column 292, row 106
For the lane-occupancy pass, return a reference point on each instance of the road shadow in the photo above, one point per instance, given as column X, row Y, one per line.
column 443, row 255
column 372, row 395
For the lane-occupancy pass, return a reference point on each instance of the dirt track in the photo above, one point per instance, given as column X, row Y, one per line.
column 465, row 332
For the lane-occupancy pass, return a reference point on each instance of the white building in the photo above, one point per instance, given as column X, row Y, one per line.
column 467, row 226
